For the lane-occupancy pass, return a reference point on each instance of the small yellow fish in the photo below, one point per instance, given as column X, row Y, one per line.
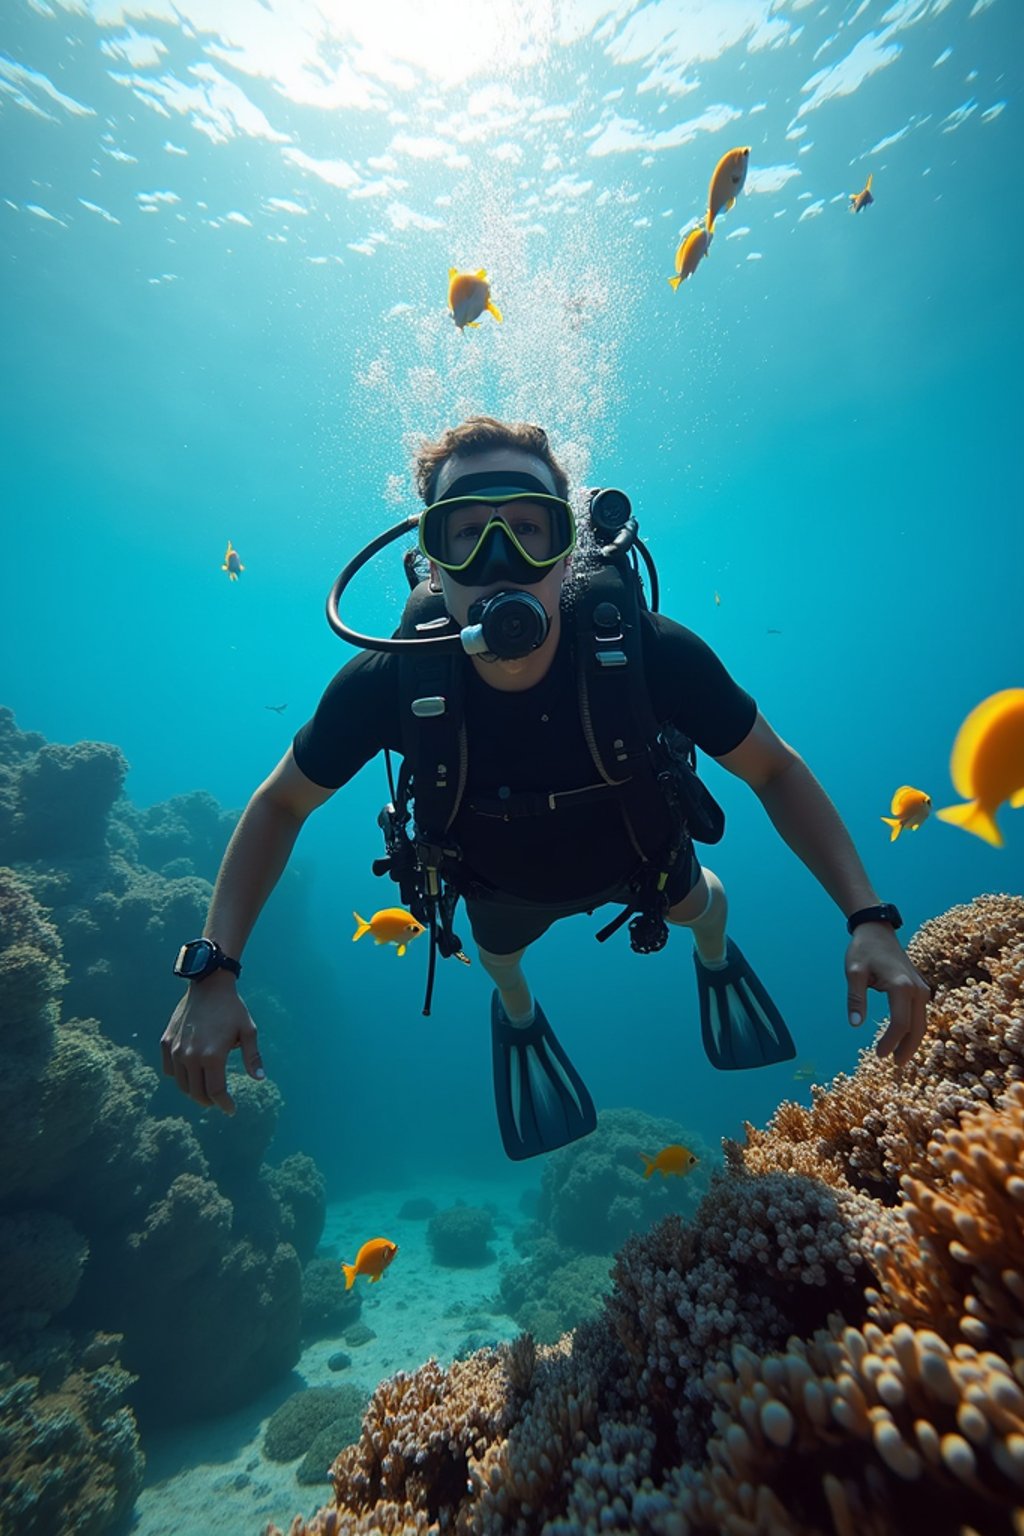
column 806, row 1072
column 726, row 183
column 863, row 198
column 910, row 809
column 672, row 1159
column 469, row 294
column 372, row 1259
column 692, row 250
column 391, row 926
column 232, row 564
column 718, row 600
column 987, row 765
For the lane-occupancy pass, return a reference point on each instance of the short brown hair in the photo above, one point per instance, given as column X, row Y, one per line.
column 477, row 435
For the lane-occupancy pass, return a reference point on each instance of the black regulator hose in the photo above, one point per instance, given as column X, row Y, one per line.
column 373, row 642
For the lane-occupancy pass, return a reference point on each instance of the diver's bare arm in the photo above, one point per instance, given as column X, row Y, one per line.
column 258, row 852
column 803, row 815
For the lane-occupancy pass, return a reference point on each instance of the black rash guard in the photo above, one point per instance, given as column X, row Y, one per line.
column 532, row 741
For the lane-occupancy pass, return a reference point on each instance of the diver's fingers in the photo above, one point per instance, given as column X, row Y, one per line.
column 898, row 1040
column 856, row 992
column 919, row 996
column 194, row 1086
column 216, row 1085
column 251, row 1058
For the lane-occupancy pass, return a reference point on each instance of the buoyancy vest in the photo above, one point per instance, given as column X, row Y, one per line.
column 634, row 754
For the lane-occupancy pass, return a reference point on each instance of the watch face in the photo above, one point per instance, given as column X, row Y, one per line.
column 194, row 958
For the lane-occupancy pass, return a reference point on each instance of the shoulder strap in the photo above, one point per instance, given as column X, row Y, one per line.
column 430, row 696
column 615, row 706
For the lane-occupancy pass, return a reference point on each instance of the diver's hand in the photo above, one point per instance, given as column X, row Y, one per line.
column 208, row 1024
column 876, row 958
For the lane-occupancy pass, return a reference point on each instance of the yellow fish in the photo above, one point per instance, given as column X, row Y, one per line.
column 726, row 183
column 910, row 809
column 672, row 1159
column 861, row 199
column 372, row 1259
column 692, row 250
column 806, row 1072
column 391, row 926
column 232, row 564
column 469, row 294
column 987, row 765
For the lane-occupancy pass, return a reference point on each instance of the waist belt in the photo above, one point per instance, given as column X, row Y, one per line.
column 509, row 806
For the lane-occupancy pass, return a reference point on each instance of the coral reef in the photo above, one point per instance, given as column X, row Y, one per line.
column 459, row 1236
column 307, row 1414
column 594, row 1194
column 327, row 1307
column 834, row 1346
column 69, row 1447
column 555, row 1290
column 133, row 1251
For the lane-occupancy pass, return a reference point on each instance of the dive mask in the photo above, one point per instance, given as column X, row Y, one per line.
column 504, row 527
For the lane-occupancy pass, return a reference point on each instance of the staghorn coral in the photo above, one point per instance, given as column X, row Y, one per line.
column 735, row 1384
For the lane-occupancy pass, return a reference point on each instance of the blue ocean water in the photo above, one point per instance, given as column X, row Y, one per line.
column 226, row 231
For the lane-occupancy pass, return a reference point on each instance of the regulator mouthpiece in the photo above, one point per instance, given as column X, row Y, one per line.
column 505, row 627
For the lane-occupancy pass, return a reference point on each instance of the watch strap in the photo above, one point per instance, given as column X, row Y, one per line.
column 884, row 913
column 216, row 961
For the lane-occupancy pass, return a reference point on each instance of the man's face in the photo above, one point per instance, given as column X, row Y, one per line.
column 459, row 598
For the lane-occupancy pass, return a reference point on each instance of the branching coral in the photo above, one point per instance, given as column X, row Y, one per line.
column 736, row 1384
column 870, row 1130
column 958, row 1266
column 862, row 1432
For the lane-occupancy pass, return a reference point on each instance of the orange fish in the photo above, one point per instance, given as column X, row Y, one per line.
column 726, row 183
column 863, row 198
column 232, row 563
column 469, row 294
column 692, row 249
column 910, row 809
column 392, row 926
column 672, row 1159
column 372, row 1259
column 987, row 765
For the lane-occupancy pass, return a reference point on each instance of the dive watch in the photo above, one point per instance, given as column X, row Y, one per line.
column 886, row 913
column 199, row 958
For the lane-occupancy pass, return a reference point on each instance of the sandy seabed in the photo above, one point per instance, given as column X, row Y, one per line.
column 212, row 1477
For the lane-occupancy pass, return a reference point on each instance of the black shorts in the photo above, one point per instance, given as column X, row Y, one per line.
column 504, row 924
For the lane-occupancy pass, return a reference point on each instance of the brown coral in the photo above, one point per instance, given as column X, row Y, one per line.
column 869, row 1130
column 863, row 1432
column 736, row 1384
column 959, row 1267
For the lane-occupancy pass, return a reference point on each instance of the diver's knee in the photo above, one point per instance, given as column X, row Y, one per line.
column 706, row 900
column 504, row 961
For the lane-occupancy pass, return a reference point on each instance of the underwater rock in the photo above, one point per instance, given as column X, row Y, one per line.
column 458, row 1237
column 327, row 1307
column 420, row 1208
column 308, row 1414
column 593, row 1193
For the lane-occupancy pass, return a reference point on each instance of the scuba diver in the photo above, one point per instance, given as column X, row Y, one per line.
column 547, row 717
